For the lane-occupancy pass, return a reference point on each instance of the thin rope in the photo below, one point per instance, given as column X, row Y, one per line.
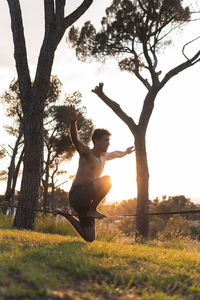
column 182, row 212
column 23, row 207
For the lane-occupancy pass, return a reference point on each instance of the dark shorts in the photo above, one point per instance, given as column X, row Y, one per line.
column 80, row 198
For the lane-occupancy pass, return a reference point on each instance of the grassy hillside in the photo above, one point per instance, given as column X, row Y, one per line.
column 47, row 266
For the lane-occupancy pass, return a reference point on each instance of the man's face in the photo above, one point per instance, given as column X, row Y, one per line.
column 103, row 143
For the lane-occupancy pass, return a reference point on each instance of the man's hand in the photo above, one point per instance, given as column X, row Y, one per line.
column 73, row 115
column 129, row 150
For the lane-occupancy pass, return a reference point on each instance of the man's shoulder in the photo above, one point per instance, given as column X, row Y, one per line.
column 88, row 152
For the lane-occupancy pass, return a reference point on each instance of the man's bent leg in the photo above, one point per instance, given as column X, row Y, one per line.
column 101, row 188
column 87, row 233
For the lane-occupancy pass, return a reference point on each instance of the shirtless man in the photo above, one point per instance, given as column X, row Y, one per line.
column 88, row 188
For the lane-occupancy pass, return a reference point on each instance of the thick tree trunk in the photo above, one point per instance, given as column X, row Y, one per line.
column 142, row 222
column 33, row 158
column 33, row 139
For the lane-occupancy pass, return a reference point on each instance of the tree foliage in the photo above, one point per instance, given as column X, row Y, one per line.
column 135, row 28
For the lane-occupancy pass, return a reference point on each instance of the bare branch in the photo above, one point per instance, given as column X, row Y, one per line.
column 142, row 79
column 153, row 52
column 17, row 171
column 11, row 147
column 153, row 73
column 4, row 148
column 70, row 19
column 162, row 37
column 137, row 73
column 180, row 68
column 187, row 45
column 61, row 183
column 158, row 31
column 115, row 107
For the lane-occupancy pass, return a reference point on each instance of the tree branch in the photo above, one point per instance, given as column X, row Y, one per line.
column 115, row 107
column 153, row 73
column 180, row 68
column 49, row 14
column 187, row 45
column 142, row 79
column 4, row 148
column 75, row 15
column 20, row 53
column 17, row 171
column 137, row 73
column 60, row 9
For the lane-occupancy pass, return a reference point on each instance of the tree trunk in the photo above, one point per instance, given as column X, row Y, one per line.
column 33, row 139
column 142, row 222
column 46, row 185
column 33, row 159
column 12, row 173
column 53, row 200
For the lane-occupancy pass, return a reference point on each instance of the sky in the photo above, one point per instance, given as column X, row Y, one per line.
column 173, row 142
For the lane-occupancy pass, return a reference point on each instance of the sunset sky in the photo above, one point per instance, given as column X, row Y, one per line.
column 173, row 139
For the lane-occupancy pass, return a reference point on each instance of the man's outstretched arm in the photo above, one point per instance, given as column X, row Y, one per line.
column 73, row 118
column 118, row 154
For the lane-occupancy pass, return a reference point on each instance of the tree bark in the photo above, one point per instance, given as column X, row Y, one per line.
column 30, row 185
column 142, row 222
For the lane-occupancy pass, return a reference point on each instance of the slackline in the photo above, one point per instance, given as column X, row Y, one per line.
column 181, row 212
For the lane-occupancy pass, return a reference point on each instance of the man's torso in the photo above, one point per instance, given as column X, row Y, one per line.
column 90, row 167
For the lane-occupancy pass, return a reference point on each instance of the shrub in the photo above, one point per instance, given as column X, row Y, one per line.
column 177, row 226
column 126, row 225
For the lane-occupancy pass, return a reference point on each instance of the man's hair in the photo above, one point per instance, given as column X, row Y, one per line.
column 98, row 133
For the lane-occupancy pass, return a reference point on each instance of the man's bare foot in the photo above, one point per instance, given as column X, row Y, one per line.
column 95, row 214
column 61, row 211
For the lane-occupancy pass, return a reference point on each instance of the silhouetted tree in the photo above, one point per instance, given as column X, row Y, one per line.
column 33, row 95
column 134, row 32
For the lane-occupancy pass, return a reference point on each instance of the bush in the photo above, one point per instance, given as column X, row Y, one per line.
column 177, row 226
column 126, row 225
